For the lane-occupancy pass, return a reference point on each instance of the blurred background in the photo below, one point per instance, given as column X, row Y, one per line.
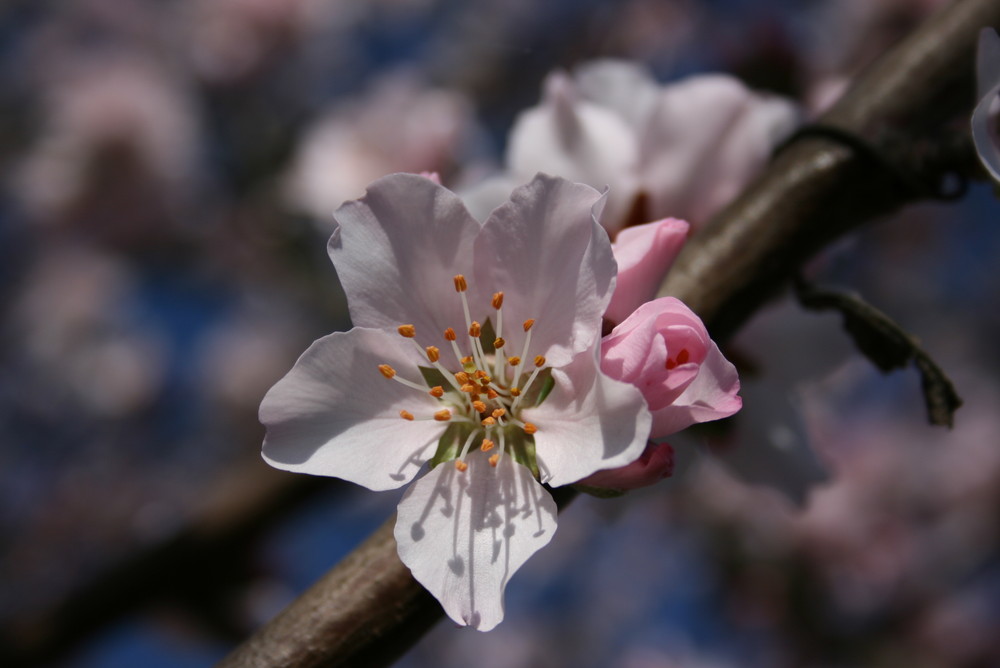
column 169, row 169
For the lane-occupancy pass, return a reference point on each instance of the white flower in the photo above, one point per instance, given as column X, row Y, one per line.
column 475, row 349
column 984, row 116
column 682, row 150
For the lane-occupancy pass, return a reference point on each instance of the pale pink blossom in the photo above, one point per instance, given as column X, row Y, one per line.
column 418, row 380
column 664, row 350
column 684, row 149
column 644, row 254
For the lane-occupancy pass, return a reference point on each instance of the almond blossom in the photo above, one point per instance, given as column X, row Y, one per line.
column 475, row 350
column 684, row 149
column 984, row 117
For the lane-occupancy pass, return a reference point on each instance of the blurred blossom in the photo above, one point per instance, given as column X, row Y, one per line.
column 76, row 330
column 985, row 116
column 231, row 39
column 397, row 126
column 120, row 128
column 682, row 150
column 244, row 355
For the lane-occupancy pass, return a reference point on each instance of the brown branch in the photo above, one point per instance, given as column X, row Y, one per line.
column 368, row 609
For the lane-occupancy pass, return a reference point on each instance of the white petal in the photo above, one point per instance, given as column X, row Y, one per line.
column 545, row 250
column 396, row 251
column 577, row 140
column 707, row 136
column 984, row 116
column 464, row 534
column 335, row 414
column 588, row 423
column 623, row 86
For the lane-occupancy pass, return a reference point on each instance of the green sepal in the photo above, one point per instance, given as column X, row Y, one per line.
column 547, row 384
column 448, row 444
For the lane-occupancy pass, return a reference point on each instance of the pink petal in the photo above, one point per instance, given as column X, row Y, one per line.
column 644, row 254
column 655, row 464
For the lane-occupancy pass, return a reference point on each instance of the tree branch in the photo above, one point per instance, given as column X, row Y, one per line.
column 368, row 610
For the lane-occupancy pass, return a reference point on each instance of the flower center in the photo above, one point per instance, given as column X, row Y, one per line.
column 484, row 398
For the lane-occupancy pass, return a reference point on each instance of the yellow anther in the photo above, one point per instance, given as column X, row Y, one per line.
column 437, row 391
column 488, row 422
column 499, row 412
column 528, row 324
column 529, row 428
column 539, row 360
column 475, row 329
column 433, row 353
column 470, row 388
column 450, row 335
column 485, row 382
column 460, row 284
column 387, row 370
column 487, row 445
column 460, row 465
column 462, row 377
column 493, row 460
column 409, row 331
column 491, row 393
column 498, row 343
column 515, row 391
column 444, row 415
column 514, row 361
column 467, row 359
column 406, row 415
column 479, row 406
column 497, row 300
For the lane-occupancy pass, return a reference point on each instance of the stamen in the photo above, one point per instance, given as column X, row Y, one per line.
column 491, row 393
column 443, row 415
column 503, row 448
column 461, row 466
column 539, row 360
column 528, row 324
column 433, row 353
column 499, row 412
column 475, row 330
column 493, row 460
column 470, row 388
column 479, row 406
column 462, row 377
column 466, row 360
column 465, row 448
column 408, row 331
column 514, row 361
column 390, row 373
column 460, row 284
column 437, row 391
column 530, row 428
column 450, row 335
column 487, row 445
column 515, row 392
column 488, row 422
column 406, row 415
column 498, row 343
column 497, row 300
